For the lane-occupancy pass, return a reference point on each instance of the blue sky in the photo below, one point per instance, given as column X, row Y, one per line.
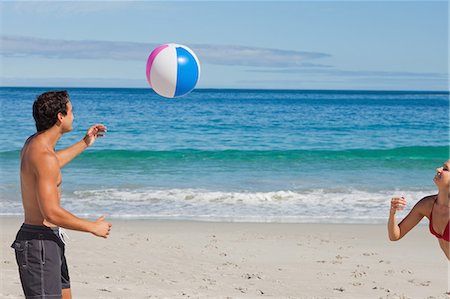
column 394, row 45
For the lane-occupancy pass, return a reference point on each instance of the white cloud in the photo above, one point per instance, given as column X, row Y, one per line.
column 73, row 82
column 16, row 46
column 352, row 73
column 61, row 7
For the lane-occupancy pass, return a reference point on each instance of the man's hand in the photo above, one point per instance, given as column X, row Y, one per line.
column 101, row 228
column 94, row 132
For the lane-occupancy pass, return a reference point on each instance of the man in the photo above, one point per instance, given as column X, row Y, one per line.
column 39, row 245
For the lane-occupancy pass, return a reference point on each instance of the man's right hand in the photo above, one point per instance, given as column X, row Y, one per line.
column 101, row 228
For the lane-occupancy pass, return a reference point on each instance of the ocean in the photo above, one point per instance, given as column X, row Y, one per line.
column 239, row 155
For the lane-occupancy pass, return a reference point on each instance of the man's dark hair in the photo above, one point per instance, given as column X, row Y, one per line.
column 47, row 106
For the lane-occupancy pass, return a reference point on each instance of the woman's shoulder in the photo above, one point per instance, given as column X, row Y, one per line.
column 426, row 204
column 429, row 198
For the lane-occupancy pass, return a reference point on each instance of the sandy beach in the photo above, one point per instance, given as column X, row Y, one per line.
column 179, row 259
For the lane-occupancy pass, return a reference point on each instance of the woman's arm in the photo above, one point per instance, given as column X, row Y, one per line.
column 397, row 231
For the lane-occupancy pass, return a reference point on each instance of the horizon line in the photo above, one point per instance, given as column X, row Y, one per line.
column 238, row 89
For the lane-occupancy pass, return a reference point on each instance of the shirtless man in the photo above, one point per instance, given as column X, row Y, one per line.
column 39, row 245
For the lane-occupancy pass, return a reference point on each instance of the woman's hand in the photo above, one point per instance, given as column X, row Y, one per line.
column 397, row 204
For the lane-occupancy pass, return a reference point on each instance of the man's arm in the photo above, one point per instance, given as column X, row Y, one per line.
column 68, row 154
column 47, row 174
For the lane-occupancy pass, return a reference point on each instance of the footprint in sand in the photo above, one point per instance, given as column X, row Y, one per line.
column 230, row 264
column 252, row 276
column 169, row 281
column 209, row 281
column 425, row 283
column 358, row 274
column 261, row 237
column 406, row 271
column 369, row 253
column 326, row 274
column 150, row 273
column 340, row 257
column 211, row 246
column 242, row 290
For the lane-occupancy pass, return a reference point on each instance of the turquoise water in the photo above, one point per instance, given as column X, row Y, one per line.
column 239, row 155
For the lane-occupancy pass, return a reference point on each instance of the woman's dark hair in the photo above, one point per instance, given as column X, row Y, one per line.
column 47, row 106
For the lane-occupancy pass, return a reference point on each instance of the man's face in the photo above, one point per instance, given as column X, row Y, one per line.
column 68, row 119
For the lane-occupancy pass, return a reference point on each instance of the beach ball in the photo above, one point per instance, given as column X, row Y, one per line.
column 172, row 70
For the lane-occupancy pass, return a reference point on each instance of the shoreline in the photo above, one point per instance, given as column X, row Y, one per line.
column 197, row 259
column 242, row 220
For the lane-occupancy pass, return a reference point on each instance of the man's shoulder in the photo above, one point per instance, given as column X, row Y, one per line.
column 38, row 153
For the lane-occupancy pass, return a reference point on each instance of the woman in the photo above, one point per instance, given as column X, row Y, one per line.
column 435, row 207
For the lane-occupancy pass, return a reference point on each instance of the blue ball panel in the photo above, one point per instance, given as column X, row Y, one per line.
column 187, row 72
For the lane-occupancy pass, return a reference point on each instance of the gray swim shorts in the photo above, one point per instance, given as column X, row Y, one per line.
column 42, row 264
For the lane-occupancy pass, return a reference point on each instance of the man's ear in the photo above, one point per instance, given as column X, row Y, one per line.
column 60, row 117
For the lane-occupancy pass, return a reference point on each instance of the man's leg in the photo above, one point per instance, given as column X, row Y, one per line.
column 65, row 279
column 66, row 294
